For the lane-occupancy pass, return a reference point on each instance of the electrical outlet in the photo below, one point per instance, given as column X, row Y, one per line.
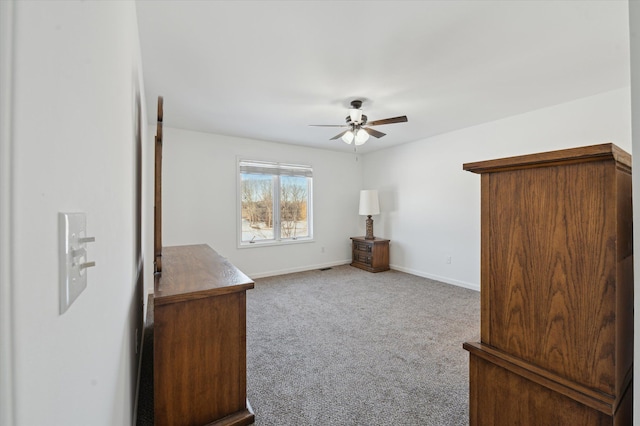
column 448, row 260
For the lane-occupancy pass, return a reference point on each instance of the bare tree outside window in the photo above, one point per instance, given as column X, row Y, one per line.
column 293, row 207
column 259, row 183
column 257, row 207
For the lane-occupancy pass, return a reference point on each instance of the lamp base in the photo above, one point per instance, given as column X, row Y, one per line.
column 369, row 234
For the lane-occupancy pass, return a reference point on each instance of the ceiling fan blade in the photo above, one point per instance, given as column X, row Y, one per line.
column 338, row 135
column 401, row 119
column 374, row 133
column 329, row 125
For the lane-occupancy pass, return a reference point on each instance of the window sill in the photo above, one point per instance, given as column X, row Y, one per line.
column 275, row 243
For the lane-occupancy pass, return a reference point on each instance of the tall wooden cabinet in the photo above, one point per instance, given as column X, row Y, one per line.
column 556, row 290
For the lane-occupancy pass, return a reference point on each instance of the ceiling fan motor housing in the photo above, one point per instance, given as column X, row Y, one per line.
column 362, row 121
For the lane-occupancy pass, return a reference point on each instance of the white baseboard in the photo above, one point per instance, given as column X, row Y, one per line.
column 298, row 269
column 446, row 280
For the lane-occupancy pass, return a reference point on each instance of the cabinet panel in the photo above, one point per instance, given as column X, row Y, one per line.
column 556, row 288
column 196, row 341
column 552, row 260
column 509, row 399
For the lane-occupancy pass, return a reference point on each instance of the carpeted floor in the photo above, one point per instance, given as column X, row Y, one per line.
column 348, row 347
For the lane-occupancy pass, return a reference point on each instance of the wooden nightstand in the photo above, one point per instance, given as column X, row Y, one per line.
column 370, row 255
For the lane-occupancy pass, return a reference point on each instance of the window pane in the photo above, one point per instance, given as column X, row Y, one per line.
column 257, row 207
column 294, row 197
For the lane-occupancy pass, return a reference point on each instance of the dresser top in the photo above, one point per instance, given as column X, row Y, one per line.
column 607, row 151
column 196, row 271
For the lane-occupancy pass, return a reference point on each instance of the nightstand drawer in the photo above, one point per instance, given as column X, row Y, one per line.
column 363, row 247
column 361, row 257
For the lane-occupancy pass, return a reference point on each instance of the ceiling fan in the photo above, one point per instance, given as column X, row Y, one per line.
column 356, row 121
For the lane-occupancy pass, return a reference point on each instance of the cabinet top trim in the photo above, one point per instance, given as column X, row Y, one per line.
column 365, row 240
column 196, row 271
column 601, row 152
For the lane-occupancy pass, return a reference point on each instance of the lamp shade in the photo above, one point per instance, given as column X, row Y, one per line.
column 369, row 204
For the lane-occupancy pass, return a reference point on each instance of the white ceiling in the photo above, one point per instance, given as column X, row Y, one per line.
column 267, row 69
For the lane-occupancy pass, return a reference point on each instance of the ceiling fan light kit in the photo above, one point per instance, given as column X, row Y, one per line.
column 348, row 137
column 361, row 136
column 356, row 121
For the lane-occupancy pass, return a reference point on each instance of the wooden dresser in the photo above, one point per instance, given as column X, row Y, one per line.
column 199, row 355
column 370, row 255
column 556, row 290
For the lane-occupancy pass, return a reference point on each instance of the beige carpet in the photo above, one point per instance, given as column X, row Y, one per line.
column 347, row 347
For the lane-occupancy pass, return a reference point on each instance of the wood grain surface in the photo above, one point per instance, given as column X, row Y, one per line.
column 200, row 340
column 556, row 289
column 503, row 398
column 370, row 254
column 194, row 271
column 552, row 269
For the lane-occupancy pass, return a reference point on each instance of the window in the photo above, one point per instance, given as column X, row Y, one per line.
column 266, row 188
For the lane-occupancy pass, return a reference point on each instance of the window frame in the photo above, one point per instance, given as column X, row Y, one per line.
column 276, row 188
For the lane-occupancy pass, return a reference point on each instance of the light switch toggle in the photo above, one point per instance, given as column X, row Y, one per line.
column 87, row 265
column 73, row 261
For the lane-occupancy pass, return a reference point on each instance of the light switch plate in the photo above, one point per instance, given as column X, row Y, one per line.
column 72, row 257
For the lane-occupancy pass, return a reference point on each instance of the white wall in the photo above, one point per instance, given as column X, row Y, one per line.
column 199, row 200
column 75, row 73
column 430, row 207
column 6, row 230
column 634, row 39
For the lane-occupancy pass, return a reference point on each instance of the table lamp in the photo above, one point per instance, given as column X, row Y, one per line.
column 369, row 206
